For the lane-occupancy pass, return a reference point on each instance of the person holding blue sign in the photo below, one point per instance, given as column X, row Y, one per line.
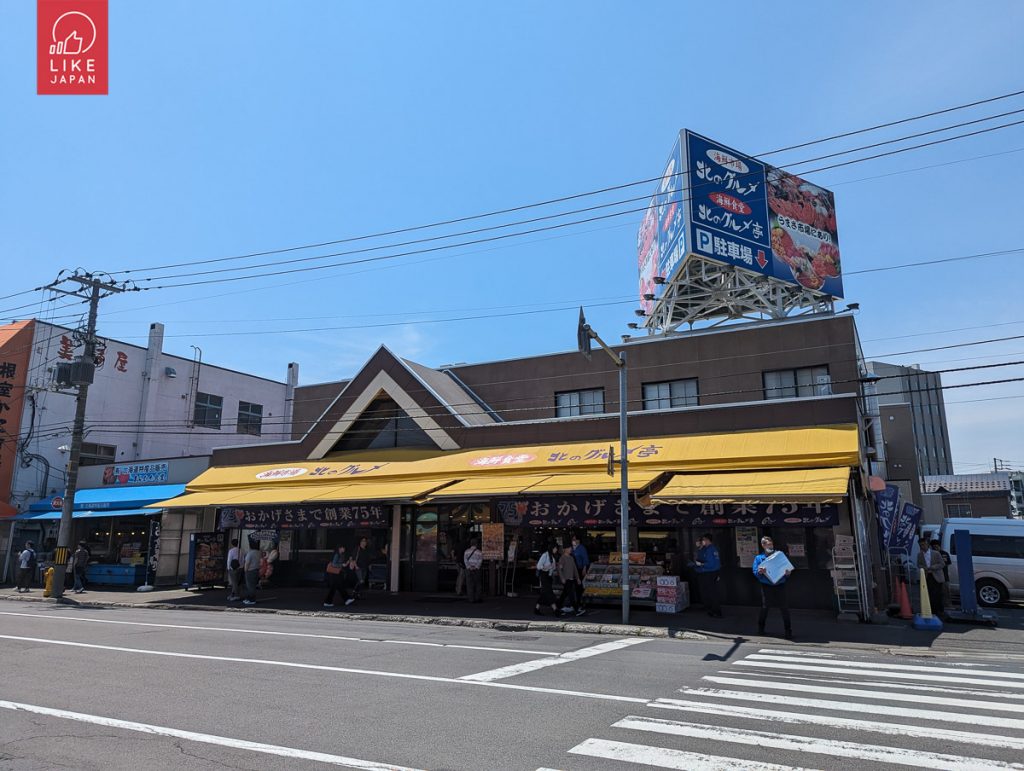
column 772, row 593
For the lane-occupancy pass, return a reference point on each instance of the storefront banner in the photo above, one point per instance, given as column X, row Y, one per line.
column 903, row 532
column 603, row 511
column 374, row 515
column 493, row 545
column 135, row 474
column 206, row 561
column 886, row 502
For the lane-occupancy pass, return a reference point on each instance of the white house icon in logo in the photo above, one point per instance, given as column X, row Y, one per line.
column 74, row 33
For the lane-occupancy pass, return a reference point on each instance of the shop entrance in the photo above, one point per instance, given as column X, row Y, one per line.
column 433, row 541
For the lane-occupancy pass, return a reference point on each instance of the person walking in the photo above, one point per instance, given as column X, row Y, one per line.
column 459, row 557
column 547, row 565
column 709, row 566
column 251, row 567
column 335, row 577
column 80, row 563
column 473, row 561
column 27, row 563
column 234, row 571
column 934, row 575
column 579, row 553
column 570, row 576
column 772, row 595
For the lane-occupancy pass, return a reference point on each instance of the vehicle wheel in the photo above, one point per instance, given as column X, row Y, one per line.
column 990, row 593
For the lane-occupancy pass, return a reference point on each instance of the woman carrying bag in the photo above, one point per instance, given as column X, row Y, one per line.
column 336, row 577
column 546, row 567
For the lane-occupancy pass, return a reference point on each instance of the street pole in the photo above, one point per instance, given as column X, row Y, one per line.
column 624, row 469
column 584, row 334
column 96, row 289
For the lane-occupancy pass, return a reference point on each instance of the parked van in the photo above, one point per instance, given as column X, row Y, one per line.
column 997, row 546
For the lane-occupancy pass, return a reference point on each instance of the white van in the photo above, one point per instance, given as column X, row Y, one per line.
column 997, row 546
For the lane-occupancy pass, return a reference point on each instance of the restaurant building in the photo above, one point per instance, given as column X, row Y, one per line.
column 740, row 431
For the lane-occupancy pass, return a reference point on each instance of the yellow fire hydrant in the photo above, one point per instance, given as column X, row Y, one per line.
column 48, row 582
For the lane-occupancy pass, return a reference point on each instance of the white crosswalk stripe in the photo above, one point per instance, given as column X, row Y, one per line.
column 772, row 710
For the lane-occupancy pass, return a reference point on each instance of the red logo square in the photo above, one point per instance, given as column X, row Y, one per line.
column 71, row 46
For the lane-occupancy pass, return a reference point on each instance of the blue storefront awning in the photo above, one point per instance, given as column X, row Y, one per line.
column 113, row 500
column 36, row 516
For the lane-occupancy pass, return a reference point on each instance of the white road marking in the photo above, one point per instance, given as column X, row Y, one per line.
column 831, row 747
column 799, row 718
column 959, row 669
column 783, row 676
column 797, row 653
column 666, row 758
column 244, row 630
column 563, row 658
column 843, row 706
column 326, row 668
column 913, row 698
column 803, row 667
column 223, row 741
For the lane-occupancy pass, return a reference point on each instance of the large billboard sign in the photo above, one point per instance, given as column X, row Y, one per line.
column 716, row 202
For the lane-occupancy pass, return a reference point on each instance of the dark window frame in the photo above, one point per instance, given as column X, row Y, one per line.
column 93, row 454
column 250, row 420
column 673, row 401
column 208, row 411
column 570, row 410
column 798, row 390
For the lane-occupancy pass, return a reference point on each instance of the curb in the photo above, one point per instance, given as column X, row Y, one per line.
column 566, row 627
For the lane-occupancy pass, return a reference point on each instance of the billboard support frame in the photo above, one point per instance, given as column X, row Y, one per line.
column 705, row 289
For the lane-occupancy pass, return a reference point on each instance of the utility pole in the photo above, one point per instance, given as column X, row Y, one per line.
column 91, row 289
column 584, row 334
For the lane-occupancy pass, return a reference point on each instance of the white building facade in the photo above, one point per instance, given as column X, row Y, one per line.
column 143, row 404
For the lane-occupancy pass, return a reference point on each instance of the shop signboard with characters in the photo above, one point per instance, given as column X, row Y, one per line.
column 726, row 206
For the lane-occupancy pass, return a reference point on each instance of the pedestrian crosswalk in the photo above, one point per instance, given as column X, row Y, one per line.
column 794, row 709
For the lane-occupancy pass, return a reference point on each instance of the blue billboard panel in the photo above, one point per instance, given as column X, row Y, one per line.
column 728, row 205
column 671, row 214
column 805, row 240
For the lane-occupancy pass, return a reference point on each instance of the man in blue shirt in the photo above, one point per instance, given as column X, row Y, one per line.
column 579, row 553
column 709, row 565
column 771, row 594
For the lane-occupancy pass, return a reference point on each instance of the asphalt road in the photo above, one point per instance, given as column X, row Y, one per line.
column 121, row 688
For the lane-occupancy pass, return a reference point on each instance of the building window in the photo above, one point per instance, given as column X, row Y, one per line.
column 97, row 454
column 570, row 403
column 250, row 418
column 790, row 383
column 674, row 393
column 209, row 409
column 958, row 510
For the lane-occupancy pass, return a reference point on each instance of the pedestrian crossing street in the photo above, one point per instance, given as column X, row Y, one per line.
column 796, row 709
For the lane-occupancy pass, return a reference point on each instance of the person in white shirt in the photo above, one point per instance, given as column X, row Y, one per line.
column 234, row 571
column 547, row 565
column 934, row 574
column 473, row 559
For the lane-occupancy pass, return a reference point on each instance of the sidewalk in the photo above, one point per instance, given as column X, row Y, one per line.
column 515, row 614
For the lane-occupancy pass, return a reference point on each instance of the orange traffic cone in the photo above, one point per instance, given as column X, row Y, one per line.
column 905, row 611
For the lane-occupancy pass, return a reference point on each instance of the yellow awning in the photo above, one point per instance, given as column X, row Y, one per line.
column 380, row 491
column 824, row 485
column 190, row 500
column 595, row 483
column 746, row 450
column 487, row 486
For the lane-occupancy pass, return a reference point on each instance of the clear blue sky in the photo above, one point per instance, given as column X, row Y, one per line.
column 233, row 127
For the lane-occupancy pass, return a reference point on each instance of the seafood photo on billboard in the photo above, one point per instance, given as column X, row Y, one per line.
column 805, row 239
column 647, row 255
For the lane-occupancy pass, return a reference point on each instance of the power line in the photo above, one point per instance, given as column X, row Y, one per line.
column 574, row 196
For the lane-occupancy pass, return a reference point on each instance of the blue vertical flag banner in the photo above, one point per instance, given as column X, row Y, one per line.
column 886, row 502
column 905, row 528
column 728, row 205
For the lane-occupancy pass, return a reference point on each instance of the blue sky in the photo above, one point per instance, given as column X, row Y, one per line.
column 236, row 127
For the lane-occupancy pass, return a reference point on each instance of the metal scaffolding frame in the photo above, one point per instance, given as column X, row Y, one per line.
column 705, row 289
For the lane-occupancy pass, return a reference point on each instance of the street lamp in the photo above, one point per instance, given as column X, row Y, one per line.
column 584, row 334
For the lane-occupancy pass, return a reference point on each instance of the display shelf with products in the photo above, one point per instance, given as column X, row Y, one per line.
column 604, row 584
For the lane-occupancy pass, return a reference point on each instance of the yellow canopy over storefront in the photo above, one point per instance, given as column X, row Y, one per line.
column 569, row 467
column 825, row 485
